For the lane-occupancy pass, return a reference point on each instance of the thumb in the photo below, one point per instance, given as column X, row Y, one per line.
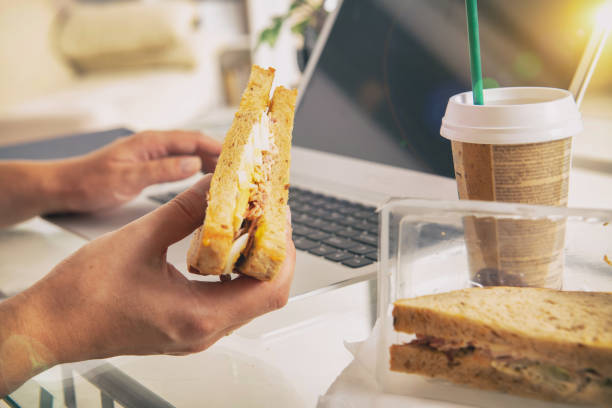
column 178, row 218
column 168, row 169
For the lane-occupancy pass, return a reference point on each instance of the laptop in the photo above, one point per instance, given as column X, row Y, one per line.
column 368, row 118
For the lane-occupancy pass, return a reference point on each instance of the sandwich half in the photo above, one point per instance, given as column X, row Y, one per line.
column 245, row 226
column 532, row 342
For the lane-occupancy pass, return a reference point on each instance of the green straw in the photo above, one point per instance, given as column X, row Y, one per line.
column 471, row 8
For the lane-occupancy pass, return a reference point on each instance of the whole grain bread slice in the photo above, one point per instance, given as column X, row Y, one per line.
column 475, row 369
column 543, row 324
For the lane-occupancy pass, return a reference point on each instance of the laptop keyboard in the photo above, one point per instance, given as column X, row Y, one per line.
column 335, row 229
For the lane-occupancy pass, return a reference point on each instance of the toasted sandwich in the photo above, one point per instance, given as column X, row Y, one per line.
column 245, row 226
column 532, row 342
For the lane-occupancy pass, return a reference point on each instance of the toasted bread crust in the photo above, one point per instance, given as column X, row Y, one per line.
column 573, row 327
column 475, row 369
column 268, row 252
column 210, row 248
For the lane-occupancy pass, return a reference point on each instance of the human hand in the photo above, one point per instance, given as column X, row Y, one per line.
column 118, row 295
column 118, row 172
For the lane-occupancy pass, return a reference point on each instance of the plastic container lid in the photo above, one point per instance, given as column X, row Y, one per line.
column 512, row 116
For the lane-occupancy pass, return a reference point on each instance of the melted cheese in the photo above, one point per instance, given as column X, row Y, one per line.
column 260, row 140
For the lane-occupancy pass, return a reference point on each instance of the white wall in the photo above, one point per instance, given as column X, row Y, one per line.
column 283, row 56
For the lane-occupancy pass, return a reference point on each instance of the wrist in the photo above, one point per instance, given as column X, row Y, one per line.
column 33, row 188
column 60, row 186
column 25, row 349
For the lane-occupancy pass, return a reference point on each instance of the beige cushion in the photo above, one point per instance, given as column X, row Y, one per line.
column 121, row 35
column 28, row 65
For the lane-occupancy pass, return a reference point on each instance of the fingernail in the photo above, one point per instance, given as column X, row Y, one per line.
column 190, row 165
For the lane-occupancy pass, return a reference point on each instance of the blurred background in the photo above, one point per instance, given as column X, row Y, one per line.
column 70, row 65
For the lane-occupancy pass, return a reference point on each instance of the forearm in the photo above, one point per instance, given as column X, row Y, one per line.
column 30, row 188
column 24, row 344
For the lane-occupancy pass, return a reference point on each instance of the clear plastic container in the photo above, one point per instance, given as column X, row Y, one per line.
column 428, row 247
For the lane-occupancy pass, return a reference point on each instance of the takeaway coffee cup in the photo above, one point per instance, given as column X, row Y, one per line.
column 515, row 148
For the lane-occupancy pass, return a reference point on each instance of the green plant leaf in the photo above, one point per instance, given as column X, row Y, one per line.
column 300, row 27
column 270, row 35
column 279, row 20
column 297, row 3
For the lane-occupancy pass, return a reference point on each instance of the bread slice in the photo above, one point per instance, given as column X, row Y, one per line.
column 539, row 323
column 268, row 251
column 211, row 244
column 529, row 341
column 249, row 188
column 477, row 369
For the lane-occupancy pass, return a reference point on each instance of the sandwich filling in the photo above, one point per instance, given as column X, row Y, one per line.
column 504, row 360
column 253, row 178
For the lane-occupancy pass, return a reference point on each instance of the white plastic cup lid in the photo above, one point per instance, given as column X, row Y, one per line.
column 512, row 116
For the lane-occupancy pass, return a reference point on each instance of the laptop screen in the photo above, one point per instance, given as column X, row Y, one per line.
column 380, row 87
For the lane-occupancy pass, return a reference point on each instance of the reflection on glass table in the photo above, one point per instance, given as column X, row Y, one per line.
column 87, row 385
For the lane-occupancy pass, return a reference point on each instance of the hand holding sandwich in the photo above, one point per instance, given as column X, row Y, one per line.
column 118, row 295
